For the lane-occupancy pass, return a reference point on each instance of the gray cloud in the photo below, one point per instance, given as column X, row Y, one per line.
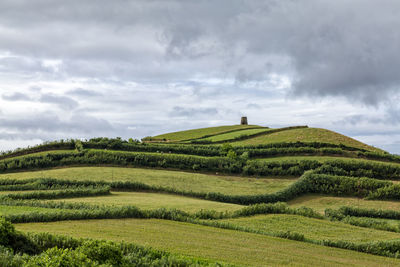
column 192, row 112
column 62, row 101
column 16, row 97
column 327, row 48
column 119, row 63
column 34, row 126
column 79, row 92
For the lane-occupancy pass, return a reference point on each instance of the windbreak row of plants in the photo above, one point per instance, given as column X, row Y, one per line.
column 46, row 146
column 363, row 212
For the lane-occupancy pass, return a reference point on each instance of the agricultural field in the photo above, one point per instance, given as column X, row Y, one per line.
column 233, row 135
column 320, row 202
column 227, row 246
column 296, row 197
column 306, row 135
column 151, row 201
column 200, row 133
column 196, row 182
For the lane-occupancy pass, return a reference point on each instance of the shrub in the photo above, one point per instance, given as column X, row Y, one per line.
column 60, row 257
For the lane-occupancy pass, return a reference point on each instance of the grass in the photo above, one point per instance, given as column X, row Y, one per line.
column 199, row 133
column 306, row 135
column 321, row 202
column 234, row 247
column 312, row 228
column 232, row 135
column 180, row 180
column 154, row 201
column 324, row 159
column 8, row 210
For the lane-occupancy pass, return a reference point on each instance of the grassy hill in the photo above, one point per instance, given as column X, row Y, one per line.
column 250, row 135
column 306, row 135
column 200, row 133
column 229, row 195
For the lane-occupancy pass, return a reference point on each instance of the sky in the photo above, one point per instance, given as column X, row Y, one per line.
column 83, row 69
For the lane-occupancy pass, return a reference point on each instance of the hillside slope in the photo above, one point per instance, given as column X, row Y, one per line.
column 245, row 135
column 200, row 133
column 273, row 190
column 307, row 135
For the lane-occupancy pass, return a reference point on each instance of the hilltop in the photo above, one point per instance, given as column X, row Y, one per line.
column 199, row 197
column 244, row 135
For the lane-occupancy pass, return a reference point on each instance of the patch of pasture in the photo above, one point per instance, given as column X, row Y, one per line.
column 150, row 201
column 229, row 246
column 316, row 229
column 196, row 182
column 321, row 202
column 306, row 135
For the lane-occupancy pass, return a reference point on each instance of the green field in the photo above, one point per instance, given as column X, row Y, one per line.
column 211, row 243
column 7, row 210
column 232, row 135
column 306, row 135
column 154, row 201
column 312, row 228
column 199, row 133
column 251, row 244
column 325, row 159
column 321, row 202
column 175, row 179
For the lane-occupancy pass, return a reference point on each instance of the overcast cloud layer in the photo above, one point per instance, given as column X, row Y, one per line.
column 79, row 69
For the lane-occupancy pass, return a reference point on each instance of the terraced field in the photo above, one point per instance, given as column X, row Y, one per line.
column 200, row 133
column 151, row 201
column 306, row 135
column 239, row 248
column 196, row 182
column 233, row 135
column 327, row 200
column 320, row 202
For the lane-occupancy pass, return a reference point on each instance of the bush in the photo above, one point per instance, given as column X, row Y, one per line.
column 60, row 257
column 103, row 252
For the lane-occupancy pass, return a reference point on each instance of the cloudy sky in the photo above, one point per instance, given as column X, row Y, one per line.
column 80, row 69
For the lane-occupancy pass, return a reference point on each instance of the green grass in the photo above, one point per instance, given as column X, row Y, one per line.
column 211, row 243
column 8, row 210
column 232, row 135
column 321, row 202
column 175, row 179
column 312, row 228
column 199, row 133
column 148, row 201
column 324, row 159
column 306, row 135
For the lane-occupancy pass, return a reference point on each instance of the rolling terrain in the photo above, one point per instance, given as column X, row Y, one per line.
column 230, row 195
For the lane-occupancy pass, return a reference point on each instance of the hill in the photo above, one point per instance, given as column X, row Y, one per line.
column 229, row 195
column 244, row 135
column 199, row 133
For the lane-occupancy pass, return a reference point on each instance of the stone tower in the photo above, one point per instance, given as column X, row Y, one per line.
column 243, row 121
